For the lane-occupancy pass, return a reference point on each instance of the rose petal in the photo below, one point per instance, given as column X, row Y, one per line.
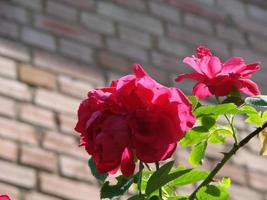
column 248, row 87
column 201, row 90
column 127, row 162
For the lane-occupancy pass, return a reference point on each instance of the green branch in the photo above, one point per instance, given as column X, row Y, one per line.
column 226, row 157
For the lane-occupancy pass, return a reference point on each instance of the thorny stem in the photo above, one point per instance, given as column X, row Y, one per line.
column 160, row 190
column 226, row 157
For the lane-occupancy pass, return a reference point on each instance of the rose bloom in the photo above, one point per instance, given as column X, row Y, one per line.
column 135, row 117
column 4, row 197
column 217, row 78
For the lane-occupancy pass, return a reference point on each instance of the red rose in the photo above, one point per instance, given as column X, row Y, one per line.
column 216, row 78
column 4, row 197
column 134, row 117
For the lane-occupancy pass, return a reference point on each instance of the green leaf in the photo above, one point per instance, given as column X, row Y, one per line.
column 255, row 119
column 193, row 136
column 137, row 197
column 162, row 176
column 190, row 177
column 226, row 182
column 197, row 154
column 98, row 176
column 223, row 131
column 221, row 109
column 258, row 101
column 199, row 133
column 153, row 182
column 264, row 116
column 212, row 192
column 154, row 198
column 110, row 191
column 194, row 101
column 179, row 197
column 216, row 138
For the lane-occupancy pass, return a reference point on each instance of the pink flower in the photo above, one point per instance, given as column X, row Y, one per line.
column 216, row 78
column 134, row 117
column 4, row 197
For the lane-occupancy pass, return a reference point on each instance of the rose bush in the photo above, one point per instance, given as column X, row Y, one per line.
column 137, row 120
column 217, row 78
column 134, row 117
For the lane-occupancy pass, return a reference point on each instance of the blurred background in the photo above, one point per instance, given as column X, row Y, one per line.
column 53, row 51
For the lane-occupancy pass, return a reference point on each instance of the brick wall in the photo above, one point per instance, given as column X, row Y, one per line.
column 53, row 51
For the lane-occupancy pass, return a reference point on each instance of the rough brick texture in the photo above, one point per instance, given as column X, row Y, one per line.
column 53, row 51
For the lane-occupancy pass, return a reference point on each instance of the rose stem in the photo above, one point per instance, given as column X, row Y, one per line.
column 226, row 157
column 229, row 121
column 140, row 178
column 160, row 191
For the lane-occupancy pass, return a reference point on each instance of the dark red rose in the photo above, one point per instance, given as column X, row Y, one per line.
column 134, row 117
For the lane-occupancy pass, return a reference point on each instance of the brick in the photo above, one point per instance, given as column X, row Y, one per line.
column 125, row 49
column 172, row 47
column 138, row 20
column 258, row 180
column 134, row 36
column 18, row 175
column 13, row 192
column 8, row 67
column 198, row 23
column 257, row 13
column 97, row 23
column 67, row 123
column 258, row 42
column 13, row 12
column 76, row 50
column 76, row 88
column 8, row 150
column 165, row 12
column 15, row 89
column 251, row 161
column 199, row 8
column 237, row 174
column 230, row 34
column 66, row 66
column 39, row 39
column 63, row 144
column 181, row 34
column 8, row 29
column 37, row 116
column 31, row 4
column 136, row 4
column 164, row 61
column 8, row 107
column 57, row 102
column 14, row 50
column 37, row 77
column 113, row 62
column 82, row 4
column 250, row 26
column 18, row 131
column 68, row 189
column 234, row 8
column 74, row 168
column 61, row 10
column 38, row 158
column 62, row 28
column 38, row 196
column 242, row 192
column 207, row 2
